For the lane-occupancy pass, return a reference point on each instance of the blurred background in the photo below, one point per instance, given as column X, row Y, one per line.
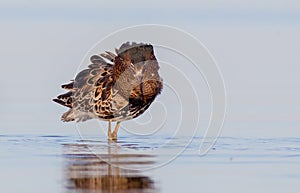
column 256, row 44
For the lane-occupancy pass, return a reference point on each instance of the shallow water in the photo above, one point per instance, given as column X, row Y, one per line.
column 35, row 163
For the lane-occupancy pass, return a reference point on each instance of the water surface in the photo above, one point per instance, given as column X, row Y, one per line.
column 37, row 163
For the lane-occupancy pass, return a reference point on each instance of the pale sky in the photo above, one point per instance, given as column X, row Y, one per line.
column 187, row 11
column 256, row 44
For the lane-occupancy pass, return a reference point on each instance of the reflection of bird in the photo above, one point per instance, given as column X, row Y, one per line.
column 107, row 171
column 114, row 87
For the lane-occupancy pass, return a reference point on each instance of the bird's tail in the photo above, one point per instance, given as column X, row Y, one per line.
column 66, row 100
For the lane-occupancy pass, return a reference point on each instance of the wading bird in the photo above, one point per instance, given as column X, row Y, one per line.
column 114, row 87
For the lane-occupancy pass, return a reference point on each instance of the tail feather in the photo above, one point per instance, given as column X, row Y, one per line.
column 68, row 86
column 65, row 96
column 64, row 99
column 68, row 116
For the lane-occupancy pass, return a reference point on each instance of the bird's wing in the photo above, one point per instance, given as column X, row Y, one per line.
column 92, row 87
column 89, row 85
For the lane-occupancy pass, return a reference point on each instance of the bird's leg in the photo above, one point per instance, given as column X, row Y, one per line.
column 114, row 134
column 109, row 131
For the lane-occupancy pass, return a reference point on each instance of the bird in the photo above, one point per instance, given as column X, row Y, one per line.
column 115, row 87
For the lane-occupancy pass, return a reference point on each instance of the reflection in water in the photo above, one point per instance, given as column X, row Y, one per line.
column 104, row 171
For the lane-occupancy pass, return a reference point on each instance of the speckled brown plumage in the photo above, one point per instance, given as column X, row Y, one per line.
column 114, row 87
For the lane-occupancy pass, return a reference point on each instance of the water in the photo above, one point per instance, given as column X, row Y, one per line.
column 35, row 163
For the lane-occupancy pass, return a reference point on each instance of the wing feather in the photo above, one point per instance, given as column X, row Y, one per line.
column 81, row 95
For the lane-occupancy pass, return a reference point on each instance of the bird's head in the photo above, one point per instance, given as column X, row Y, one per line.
column 135, row 53
column 139, row 58
column 136, row 69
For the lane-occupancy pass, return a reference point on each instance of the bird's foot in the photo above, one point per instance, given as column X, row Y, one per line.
column 112, row 138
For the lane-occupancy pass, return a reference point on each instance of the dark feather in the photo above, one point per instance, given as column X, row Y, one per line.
column 68, row 86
